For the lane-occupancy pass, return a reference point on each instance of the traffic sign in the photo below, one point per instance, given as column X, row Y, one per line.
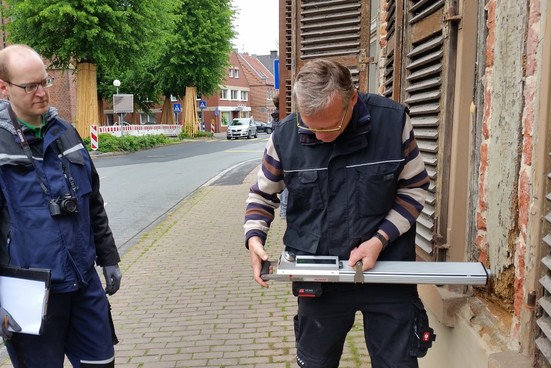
column 202, row 104
column 177, row 107
column 276, row 73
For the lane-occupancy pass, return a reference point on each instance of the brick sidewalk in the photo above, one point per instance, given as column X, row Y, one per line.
column 188, row 298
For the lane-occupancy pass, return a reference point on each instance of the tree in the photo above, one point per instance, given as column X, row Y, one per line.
column 86, row 33
column 195, row 59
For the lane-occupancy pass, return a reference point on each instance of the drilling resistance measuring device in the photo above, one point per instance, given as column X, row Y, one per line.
column 291, row 267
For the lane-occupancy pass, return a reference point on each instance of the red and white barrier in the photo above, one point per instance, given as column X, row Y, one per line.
column 94, row 137
column 139, row 130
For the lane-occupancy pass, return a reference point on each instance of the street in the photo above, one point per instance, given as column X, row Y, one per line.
column 140, row 188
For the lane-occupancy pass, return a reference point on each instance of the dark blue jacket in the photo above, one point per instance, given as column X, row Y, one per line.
column 29, row 235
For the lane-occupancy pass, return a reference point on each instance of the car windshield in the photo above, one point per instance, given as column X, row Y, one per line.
column 238, row 122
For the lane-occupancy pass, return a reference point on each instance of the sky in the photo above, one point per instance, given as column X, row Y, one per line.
column 257, row 24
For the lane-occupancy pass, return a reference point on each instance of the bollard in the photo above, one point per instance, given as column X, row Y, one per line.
column 94, row 137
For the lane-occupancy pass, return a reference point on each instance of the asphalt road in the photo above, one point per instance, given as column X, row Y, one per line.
column 140, row 188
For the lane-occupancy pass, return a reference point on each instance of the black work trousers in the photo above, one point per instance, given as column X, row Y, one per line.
column 322, row 324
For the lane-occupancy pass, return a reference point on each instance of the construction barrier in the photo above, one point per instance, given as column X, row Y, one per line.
column 139, row 130
column 94, row 137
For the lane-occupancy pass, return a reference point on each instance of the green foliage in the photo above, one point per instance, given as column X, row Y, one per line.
column 200, row 134
column 155, row 48
column 198, row 53
column 104, row 32
column 127, row 143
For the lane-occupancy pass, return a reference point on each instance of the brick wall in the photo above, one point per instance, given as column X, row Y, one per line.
column 63, row 93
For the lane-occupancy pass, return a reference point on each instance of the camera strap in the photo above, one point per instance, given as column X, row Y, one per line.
column 27, row 149
column 66, row 168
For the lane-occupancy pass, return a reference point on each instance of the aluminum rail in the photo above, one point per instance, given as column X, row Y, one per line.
column 330, row 269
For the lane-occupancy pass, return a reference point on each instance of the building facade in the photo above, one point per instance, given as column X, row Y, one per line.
column 247, row 91
column 475, row 76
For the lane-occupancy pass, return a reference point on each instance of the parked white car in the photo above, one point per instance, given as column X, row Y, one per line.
column 242, row 127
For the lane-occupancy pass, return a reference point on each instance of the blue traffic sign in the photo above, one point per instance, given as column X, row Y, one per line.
column 177, row 107
column 202, row 104
column 276, row 73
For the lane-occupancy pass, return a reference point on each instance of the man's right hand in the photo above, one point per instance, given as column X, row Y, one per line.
column 7, row 321
column 257, row 253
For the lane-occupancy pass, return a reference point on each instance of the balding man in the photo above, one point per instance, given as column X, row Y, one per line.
column 52, row 216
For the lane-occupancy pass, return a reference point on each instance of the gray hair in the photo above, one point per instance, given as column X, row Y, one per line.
column 318, row 82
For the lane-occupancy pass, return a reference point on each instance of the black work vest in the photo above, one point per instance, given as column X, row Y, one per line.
column 339, row 192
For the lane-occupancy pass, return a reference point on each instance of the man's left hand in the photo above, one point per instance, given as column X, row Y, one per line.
column 113, row 276
column 367, row 252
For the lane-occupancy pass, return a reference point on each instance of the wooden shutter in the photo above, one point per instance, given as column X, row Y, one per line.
column 420, row 62
column 330, row 29
column 543, row 341
column 392, row 80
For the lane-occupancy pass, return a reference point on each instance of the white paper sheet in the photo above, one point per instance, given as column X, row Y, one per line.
column 25, row 300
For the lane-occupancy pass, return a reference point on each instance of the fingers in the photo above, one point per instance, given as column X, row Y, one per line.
column 257, row 254
column 7, row 324
column 113, row 277
column 115, row 284
column 13, row 324
column 368, row 252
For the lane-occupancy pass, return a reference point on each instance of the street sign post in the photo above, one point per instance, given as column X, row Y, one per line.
column 177, row 109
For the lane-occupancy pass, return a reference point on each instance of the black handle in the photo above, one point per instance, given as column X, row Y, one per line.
column 265, row 269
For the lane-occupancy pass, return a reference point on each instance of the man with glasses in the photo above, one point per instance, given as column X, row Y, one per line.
column 356, row 185
column 52, row 216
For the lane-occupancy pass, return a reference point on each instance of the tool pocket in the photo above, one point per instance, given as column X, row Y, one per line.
column 307, row 289
column 422, row 335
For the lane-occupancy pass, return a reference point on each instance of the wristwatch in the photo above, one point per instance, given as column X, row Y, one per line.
column 383, row 240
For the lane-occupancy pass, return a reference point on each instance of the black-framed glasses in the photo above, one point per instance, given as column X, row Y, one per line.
column 33, row 87
column 323, row 130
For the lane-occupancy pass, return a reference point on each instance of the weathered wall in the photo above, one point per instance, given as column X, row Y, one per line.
column 498, row 320
column 506, row 168
column 502, row 141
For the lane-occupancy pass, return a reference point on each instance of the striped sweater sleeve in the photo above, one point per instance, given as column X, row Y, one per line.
column 263, row 199
column 413, row 184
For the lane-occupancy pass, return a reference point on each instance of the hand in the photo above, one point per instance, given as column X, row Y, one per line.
column 113, row 278
column 367, row 252
column 257, row 253
column 7, row 321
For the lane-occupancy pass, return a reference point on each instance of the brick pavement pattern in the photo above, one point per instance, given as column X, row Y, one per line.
column 188, row 298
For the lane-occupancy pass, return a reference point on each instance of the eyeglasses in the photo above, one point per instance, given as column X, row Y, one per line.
column 323, row 130
column 33, row 87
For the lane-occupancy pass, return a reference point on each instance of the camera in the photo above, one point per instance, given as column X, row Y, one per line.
column 62, row 206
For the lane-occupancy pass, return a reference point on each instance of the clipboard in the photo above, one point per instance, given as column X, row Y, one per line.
column 24, row 294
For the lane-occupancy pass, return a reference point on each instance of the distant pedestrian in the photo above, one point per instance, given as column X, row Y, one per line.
column 283, row 195
column 52, row 216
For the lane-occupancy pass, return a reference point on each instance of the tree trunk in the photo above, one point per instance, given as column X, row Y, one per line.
column 167, row 114
column 87, row 98
column 190, row 120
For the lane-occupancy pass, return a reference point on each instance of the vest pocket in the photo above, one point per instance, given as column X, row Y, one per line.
column 374, row 187
column 304, row 190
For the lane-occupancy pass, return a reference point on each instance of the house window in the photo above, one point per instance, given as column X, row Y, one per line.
column 234, row 95
column 225, row 118
column 236, row 73
column 244, row 95
column 223, row 94
column 231, row 72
